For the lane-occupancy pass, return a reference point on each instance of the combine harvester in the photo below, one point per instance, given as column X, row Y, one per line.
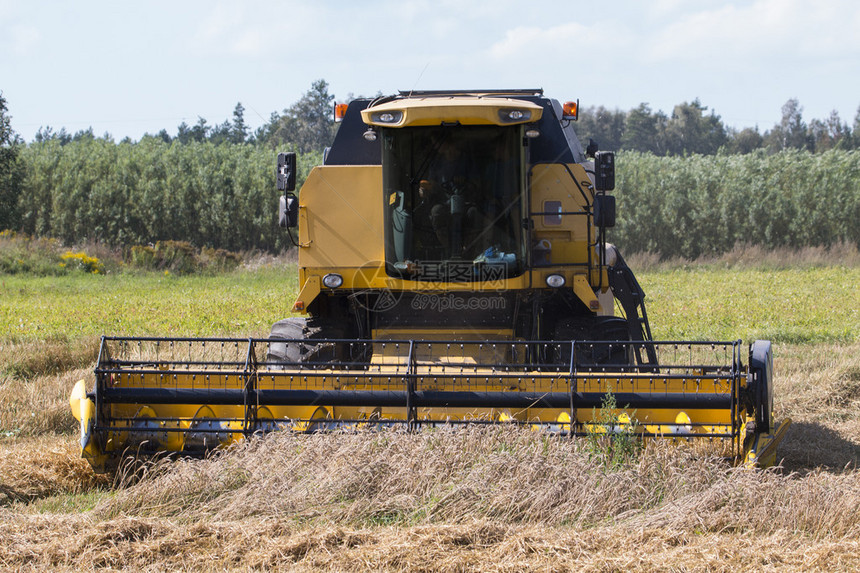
column 454, row 269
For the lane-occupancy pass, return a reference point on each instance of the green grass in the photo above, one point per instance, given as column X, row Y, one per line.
column 785, row 306
column 68, row 502
column 241, row 303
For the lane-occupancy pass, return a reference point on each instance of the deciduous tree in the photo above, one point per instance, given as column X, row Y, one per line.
column 308, row 124
column 690, row 130
column 642, row 130
column 11, row 170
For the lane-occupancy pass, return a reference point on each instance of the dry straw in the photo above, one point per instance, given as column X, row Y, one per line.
column 502, row 474
column 449, row 500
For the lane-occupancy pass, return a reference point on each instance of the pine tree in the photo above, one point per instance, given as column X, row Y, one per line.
column 239, row 129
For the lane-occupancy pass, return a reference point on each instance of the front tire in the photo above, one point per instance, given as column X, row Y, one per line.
column 293, row 331
column 603, row 331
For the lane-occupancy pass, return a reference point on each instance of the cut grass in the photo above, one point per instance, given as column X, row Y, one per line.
column 506, row 474
column 276, row 544
column 469, row 499
column 44, row 467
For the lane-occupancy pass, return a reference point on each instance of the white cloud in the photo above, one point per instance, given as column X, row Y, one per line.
column 257, row 28
column 248, row 43
column 7, row 9
column 572, row 38
column 788, row 28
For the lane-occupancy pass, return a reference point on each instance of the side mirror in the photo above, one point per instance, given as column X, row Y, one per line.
column 288, row 211
column 604, row 210
column 604, row 170
column 286, row 171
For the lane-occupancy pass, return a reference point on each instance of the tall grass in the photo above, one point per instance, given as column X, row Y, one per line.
column 219, row 196
column 752, row 257
column 704, row 205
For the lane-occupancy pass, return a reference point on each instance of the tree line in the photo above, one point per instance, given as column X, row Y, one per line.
column 308, row 125
column 214, row 187
column 691, row 129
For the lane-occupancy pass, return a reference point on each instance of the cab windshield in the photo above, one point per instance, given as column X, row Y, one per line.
column 453, row 202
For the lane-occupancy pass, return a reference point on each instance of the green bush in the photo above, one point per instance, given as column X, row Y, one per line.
column 142, row 257
column 181, row 257
column 21, row 254
column 219, row 259
column 82, row 261
column 177, row 257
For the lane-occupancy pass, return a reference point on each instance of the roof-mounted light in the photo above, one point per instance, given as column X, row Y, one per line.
column 340, row 111
column 570, row 110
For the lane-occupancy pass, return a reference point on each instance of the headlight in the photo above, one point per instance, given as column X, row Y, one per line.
column 387, row 117
column 514, row 115
column 555, row 281
column 332, row 280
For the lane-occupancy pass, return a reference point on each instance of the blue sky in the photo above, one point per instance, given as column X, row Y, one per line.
column 133, row 67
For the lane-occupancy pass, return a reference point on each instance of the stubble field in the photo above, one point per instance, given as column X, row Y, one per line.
column 475, row 499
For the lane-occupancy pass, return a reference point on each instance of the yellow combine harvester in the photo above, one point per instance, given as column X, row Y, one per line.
column 454, row 269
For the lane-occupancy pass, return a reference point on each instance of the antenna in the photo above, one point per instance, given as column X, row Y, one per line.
column 419, row 78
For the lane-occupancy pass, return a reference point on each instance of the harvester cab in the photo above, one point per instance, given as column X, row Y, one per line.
column 453, row 268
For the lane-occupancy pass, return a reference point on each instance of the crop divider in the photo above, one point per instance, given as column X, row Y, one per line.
column 250, row 396
column 573, row 376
